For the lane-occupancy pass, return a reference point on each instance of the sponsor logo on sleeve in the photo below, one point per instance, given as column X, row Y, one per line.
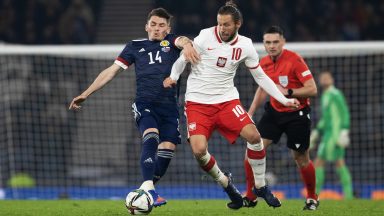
column 306, row 73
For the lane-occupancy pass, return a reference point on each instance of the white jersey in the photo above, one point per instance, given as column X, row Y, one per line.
column 211, row 80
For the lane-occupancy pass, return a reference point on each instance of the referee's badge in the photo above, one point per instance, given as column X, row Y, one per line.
column 283, row 80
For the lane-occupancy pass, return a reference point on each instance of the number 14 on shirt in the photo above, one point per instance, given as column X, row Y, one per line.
column 157, row 58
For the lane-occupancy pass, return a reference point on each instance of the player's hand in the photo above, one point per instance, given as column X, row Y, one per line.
column 168, row 82
column 75, row 104
column 191, row 54
column 293, row 103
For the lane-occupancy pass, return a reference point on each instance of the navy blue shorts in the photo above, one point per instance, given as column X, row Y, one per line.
column 164, row 117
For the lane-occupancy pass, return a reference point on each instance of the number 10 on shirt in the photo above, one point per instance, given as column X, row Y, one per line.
column 238, row 110
column 236, row 53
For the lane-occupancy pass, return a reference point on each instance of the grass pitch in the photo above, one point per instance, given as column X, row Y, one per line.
column 184, row 208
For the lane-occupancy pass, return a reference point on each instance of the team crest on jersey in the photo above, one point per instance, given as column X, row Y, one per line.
column 164, row 43
column 221, row 61
column 283, row 80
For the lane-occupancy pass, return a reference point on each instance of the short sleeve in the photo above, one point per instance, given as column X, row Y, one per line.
column 252, row 60
column 301, row 69
column 173, row 38
column 126, row 57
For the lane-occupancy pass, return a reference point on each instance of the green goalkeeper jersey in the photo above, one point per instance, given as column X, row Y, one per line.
column 335, row 117
column 335, row 112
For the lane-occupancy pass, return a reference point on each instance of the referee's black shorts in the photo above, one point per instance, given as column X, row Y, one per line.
column 296, row 125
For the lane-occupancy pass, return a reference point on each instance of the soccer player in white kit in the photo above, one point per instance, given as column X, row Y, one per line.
column 212, row 100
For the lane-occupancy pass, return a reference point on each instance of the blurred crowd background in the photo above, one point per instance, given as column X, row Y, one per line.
column 49, row 21
column 78, row 21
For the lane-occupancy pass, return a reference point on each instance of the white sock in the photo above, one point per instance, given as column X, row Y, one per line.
column 209, row 165
column 147, row 185
column 257, row 160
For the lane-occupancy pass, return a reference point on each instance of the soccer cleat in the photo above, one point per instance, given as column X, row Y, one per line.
column 248, row 203
column 233, row 194
column 311, row 204
column 267, row 195
column 157, row 200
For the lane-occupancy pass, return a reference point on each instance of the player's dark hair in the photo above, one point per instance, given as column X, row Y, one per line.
column 274, row 30
column 230, row 8
column 160, row 12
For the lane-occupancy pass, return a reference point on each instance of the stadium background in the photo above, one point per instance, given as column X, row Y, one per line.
column 52, row 152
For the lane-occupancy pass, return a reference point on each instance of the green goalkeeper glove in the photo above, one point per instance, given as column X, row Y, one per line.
column 343, row 140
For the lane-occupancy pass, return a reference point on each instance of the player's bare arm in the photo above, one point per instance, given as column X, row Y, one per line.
column 308, row 90
column 189, row 52
column 101, row 80
column 258, row 100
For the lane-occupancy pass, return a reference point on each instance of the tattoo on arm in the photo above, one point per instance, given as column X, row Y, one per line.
column 182, row 41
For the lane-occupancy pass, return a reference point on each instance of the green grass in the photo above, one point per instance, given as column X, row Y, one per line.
column 184, row 208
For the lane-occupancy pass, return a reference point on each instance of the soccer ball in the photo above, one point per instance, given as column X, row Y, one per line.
column 139, row 202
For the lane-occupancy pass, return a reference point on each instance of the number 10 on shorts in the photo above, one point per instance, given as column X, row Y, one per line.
column 238, row 110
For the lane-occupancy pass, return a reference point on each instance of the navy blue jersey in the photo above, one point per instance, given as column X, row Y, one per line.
column 153, row 63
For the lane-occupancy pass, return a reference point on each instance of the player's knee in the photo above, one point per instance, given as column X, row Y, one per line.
column 302, row 159
column 254, row 139
column 167, row 145
column 199, row 153
column 151, row 135
column 150, row 130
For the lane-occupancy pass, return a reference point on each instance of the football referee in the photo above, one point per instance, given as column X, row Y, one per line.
column 293, row 78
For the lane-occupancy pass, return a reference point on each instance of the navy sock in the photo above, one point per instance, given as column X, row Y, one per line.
column 148, row 155
column 164, row 157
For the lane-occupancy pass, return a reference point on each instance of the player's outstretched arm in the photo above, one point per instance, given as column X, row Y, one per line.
column 189, row 52
column 101, row 80
column 177, row 70
column 258, row 100
column 269, row 86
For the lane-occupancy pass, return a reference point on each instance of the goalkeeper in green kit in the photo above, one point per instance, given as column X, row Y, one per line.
column 333, row 128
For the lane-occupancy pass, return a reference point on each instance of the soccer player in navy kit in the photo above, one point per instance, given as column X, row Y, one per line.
column 155, row 107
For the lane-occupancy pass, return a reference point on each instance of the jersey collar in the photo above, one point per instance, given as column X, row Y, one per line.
column 278, row 57
column 232, row 42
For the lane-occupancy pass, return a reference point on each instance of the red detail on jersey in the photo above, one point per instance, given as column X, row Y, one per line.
column 287, row 70
column 221, row 61
column 255, row 67
column 209, row 165
column 235, row 41
column 217, row 35
column 123, row 61
column 209, row 48
column 174, row 41
column 252, row 154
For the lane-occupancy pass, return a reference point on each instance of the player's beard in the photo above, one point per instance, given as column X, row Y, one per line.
column 230, row 38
